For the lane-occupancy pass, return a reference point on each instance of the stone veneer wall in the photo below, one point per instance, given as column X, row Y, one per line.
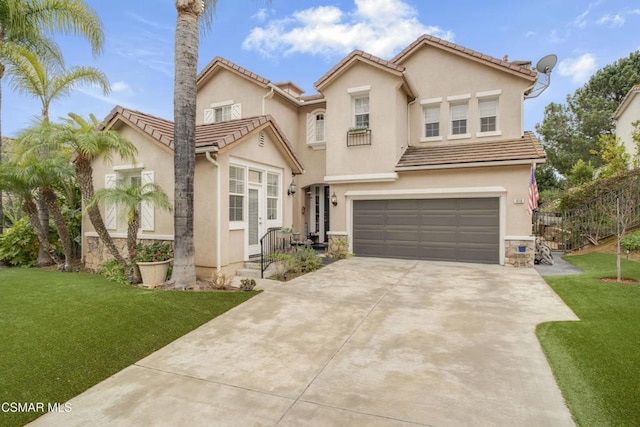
column 97, row 254
column 514, row 257
column 338, row 242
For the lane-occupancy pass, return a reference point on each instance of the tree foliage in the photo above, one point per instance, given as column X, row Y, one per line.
column 571, row 131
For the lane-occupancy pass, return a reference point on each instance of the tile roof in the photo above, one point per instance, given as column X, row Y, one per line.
column 626, row 101
column 219, row 61
column 435, row 41
column 358, row 54
column 434, row 156
column 217, row 135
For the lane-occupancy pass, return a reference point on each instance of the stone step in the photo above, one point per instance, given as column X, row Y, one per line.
column 252, row 265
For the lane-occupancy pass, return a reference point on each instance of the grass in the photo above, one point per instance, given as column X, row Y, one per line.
column 596, row 361
column 61, row 333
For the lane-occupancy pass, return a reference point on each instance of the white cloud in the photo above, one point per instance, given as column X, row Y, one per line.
column 579, row 69
column 614, row 21
column 530, row 34
column 379, row 27
column 121, row 87
column 262, row 15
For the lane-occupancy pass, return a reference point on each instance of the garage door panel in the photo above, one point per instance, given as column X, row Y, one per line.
column 431, row 229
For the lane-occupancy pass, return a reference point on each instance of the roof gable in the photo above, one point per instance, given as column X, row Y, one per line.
column 353, row 58
column 220, row 63
column 213, row 135
column 427, row 40
column 626, row 101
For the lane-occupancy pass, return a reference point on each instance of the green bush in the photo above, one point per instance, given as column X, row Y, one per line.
column 113, row 271
column 304, row 260
column 631, row 242
column 19, row 244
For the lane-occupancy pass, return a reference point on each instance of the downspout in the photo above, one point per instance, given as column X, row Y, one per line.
column 524, row 96
column 218, row 210
column 269, row 95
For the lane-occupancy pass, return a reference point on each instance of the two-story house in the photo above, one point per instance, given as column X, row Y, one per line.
column 422, row 156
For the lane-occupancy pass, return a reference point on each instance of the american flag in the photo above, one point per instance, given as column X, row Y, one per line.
column 532, row 202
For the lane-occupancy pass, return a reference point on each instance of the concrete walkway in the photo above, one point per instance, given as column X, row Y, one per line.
column 361, row 342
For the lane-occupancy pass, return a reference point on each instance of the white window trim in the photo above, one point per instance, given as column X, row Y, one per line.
column 430, row 101
column 355, row 96
column 431, row 138
column 311, row 130
column 221, row 104
column 459, row 97
column 359, row 90
column 489, row 93
column 278, row 218
column 246, row 165
column 132, row 167
column 492, row 133
column 239, row 225
column 460, row 136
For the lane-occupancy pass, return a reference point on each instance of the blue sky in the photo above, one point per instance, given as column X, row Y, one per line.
column 301, row 40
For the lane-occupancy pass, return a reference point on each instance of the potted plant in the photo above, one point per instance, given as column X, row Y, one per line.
column 285, row 232
column 153, row 261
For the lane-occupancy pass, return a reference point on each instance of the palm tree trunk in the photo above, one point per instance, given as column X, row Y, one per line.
column 63, row 230
column 84, row 172
column 1, row 76
column 132, row 237
column 31, row 210
column 184, row 112
column 43, row 216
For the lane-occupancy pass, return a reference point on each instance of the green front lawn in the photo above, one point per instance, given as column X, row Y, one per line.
column 596, row 361
column 61, row 333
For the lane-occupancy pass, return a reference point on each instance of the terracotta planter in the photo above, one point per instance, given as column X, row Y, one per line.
column 154, row 273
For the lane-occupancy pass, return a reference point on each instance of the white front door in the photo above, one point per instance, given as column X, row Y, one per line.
column 256, row 223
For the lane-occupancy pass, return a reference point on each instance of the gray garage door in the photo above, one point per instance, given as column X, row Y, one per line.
column 465, row 230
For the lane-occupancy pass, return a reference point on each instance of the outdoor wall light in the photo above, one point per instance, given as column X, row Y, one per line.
column 292, row 189
column 334, row 199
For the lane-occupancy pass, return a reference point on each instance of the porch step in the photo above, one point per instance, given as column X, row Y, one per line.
column 252, row 265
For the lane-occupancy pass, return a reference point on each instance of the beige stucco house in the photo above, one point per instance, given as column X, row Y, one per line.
column 627, row 113
column 422, row 156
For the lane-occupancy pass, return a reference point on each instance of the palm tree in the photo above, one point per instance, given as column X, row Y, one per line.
column 46, row 78
column 12, row 180
column 44, row 174
column 190, row 13
column 130, row 197
column 22, row 24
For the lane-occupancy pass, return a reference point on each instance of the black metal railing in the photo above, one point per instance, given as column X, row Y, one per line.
column 356, row 137
column 272, row 244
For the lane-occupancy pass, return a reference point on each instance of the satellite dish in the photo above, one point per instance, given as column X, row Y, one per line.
column 546, row 64
column 544, row 68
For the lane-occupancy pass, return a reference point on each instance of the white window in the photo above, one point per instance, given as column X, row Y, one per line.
column 146, row 210
column 488, row 111
column 273, row 196
column 361, row 111
column 222, row 112
column 237, row 187
column 316, row 129
column 459, row 113
column 431, row 121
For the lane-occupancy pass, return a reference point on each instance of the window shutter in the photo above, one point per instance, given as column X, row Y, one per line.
column 147, row 212
column 311, row 128
column 236, row 111
column 110, row 208
column 208, row 115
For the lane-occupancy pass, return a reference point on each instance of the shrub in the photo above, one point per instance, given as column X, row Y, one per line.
column 153, row 252
column 113, row 271
column 19, row 244
column 631, row 242
column 247, row 284
column 304, row 260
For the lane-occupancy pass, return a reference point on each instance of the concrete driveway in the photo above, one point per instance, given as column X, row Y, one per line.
column 363, row 341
